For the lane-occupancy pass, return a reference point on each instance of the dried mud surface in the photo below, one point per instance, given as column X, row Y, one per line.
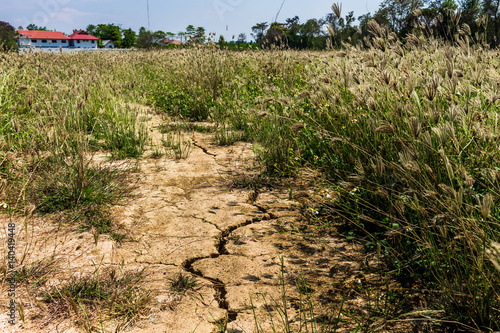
column 184, row 218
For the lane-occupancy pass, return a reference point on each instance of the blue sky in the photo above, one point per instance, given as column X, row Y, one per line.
column 227, row 17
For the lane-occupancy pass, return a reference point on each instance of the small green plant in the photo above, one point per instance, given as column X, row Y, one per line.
column 178, row 147
column 226, row 136
column 115, row 295
column 187, row 127
column 36, row 273
column 157, row 153
column 124, row 137
column 308, row 320
column 76, row 184
column 184, row 284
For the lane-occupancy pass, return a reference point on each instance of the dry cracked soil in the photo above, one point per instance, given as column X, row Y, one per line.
column 184, row 218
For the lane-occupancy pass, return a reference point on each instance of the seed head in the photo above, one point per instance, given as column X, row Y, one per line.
column 297, row 127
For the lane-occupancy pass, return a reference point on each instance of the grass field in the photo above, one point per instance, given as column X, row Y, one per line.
column 405, row 137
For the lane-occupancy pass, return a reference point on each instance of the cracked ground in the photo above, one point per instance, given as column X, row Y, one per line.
column 184, row 219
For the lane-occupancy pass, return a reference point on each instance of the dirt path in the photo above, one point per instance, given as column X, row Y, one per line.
column 184, row 219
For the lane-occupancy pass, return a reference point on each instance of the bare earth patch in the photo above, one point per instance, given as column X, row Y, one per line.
column 185, row 219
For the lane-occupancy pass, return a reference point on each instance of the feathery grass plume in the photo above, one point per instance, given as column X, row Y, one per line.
column 331, row 31
column 304, row 94
column 415, row 126
column 296, row 127
column 384, row 127
column 379, row 166
column 337, row 9
column 392, row 38
column 21, row 89
column 455, row 16
column 386, row 77
column 399, row 51
column 412, row 39
column 431, row 89
column 493, row 254
column 407, row 161
column 326, row 79
column 485, row 205
column 466, row 29
column 375, row 29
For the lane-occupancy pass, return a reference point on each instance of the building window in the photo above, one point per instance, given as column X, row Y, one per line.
column 33, row 40
column 54, row 41
column 63, row 41
column 93, row 41
column 78, row 41
column 44, row 41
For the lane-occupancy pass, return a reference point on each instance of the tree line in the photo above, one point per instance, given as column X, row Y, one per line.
column 437, row 18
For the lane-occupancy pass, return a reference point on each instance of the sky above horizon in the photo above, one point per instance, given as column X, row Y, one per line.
column 226, row 17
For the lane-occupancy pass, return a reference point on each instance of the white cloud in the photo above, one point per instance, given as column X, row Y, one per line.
column 69, row 16
column 65, row 19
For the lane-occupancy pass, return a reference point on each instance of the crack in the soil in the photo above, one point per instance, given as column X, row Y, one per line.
column 218, row 285
column 156, row 236
column 265, row 211
column 221, row 246
column 149, row 263
column 208, row 222
column 203, row 148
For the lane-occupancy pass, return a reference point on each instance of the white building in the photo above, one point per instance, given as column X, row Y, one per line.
column 108, row 44
column 28, row 39
column 82, row 40
column 42, row 39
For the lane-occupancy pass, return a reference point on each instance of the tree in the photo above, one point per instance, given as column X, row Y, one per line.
column 129, row 38
column 363, row 24
column 144, row 39
column 200, row 34
column 429, row 18
column 91, row 29
column 149, row 39
column 196, row 35
column 109, row 32
column 309, row 31
column 293, row 37
column 340, row 29
column 32, row 26
column 447, row 24
column 170, row 35
column 242, row 38
column 470, row 13
column 397, row 14
column 259, row 31
column 190, row 31
column 491, row 8
column 276, row 34
column 7, row 37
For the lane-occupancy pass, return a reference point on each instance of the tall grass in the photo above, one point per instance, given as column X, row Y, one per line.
column 406, row 134
column 56, row 112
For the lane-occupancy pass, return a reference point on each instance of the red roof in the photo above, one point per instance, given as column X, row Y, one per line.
column 80, row 34
column 35, row 34
column 171, row 41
